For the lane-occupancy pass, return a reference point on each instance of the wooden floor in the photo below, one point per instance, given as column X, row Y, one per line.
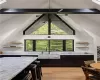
column 62, row 73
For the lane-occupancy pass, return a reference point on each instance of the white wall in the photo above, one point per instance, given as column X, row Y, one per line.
column 90, row 24
column 71, row 4
column 17, row 24
column 12, row 28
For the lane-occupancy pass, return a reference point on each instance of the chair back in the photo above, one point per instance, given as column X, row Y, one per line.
column 85, row 73
column 93, row 72
column 87, row 63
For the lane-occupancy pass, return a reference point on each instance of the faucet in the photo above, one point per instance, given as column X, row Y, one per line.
column 42, row 52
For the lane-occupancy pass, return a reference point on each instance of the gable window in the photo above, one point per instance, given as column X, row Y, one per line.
column 44, row 30
column 49, row 24
column 49, row 45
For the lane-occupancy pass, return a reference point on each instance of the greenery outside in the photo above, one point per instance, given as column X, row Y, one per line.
column 55, row 45
column 43, row 45
column 44, row 30
column 69, row 45
column 29, row 45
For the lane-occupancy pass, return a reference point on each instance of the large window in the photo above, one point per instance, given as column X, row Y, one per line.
column 49, row 24
column 49, row 45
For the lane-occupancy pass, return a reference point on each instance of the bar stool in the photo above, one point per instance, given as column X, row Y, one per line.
column 33, row 69
column 39, row 70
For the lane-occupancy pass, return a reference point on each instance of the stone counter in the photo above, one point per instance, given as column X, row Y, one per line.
column 12, row 66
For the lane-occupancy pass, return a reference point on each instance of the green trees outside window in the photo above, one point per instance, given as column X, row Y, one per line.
column 69, row 45
column 42, row 30
column 29, row 45
column 56, row 45
column 54, row 30
column 49, row 45
column 42, row 45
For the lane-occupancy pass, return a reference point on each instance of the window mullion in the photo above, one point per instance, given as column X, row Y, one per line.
column 34, row 45
column 24, row 45
column 64, row 45
column 49, row 25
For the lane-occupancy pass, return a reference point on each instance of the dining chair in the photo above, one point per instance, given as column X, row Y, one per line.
column 87, row 63
column 91, row 74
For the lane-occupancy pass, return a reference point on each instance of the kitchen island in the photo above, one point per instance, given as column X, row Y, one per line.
column 10, row 67
column 57, row 59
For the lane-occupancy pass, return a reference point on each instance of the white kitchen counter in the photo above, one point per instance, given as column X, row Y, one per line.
column 45, row 55
column 30, row 54
column 51, row 53
column 11, row 66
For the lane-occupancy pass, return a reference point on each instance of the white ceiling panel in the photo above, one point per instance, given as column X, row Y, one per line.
column 71, row 3
column 4, row 17
column 48, row 3
column 25, row 4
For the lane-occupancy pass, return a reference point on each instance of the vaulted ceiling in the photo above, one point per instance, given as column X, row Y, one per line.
column 48, row 4
column 8, row 22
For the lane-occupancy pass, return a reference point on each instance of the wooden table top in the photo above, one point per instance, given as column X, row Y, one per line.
column 95, row 65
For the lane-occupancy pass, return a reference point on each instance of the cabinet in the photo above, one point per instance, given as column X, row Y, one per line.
column 66, row 61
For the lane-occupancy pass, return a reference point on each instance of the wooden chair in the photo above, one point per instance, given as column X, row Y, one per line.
column 91, row 74
column 87, row 63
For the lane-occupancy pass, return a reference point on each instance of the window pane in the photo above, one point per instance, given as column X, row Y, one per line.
column 42, row 30
column 69, row 45
column 29, row 45
column 42, row 45
column 56, row 45
column 56, row 30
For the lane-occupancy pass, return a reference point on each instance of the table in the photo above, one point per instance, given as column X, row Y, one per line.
column 12, row 66
column 95, row 65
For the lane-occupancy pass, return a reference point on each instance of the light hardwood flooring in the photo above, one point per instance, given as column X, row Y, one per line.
column 66, row 73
